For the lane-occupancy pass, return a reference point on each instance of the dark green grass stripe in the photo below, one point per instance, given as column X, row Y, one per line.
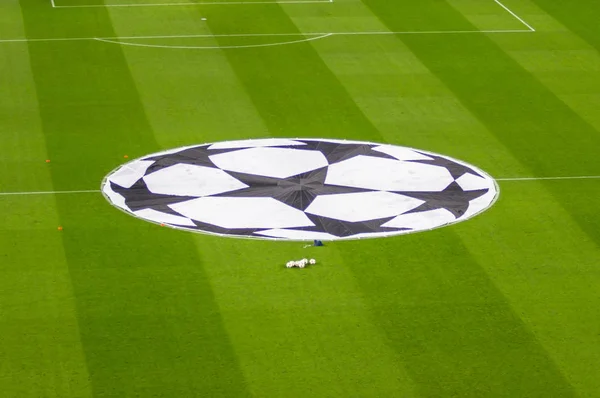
column 149, row 323
column 543, row 133
column 453, row 329
column 290, row 85
column 580, row 17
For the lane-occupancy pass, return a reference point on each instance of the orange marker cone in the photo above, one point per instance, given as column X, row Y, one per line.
column 47, row 160
column 60, row 228
column 125, row 156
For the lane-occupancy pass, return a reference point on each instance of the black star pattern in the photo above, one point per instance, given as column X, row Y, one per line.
column 343, row 229
column 452, row 198
column 139, row 197
column 301, row 190
column 336, row 152
column 198, row 156
column 456, row 169
column 297, row 191
column 215, row 229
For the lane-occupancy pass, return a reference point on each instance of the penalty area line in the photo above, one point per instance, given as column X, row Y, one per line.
column 372, row 33
column 515, row 15
column 189, row 4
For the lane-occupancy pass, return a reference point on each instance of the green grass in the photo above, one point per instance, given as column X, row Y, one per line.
column 504, row 305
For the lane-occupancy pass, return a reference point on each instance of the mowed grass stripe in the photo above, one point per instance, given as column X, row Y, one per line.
column 564, row 62
column 448, row 376
column 148, row 319
column 548, row 268
column 455, row 332
column 544, row 134
column 311, row 330
column 295, row 334
column 539, row 130
column 201, row 87
column 580, row 17
column 301, row 332
column 40, row 349
column 292, row 89
column 453, row 329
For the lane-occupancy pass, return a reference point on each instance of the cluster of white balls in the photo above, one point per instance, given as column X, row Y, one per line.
column 300, row 263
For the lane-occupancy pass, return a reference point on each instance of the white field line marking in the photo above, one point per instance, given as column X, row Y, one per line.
column 48, row 192
column 549, row 178
column 497, row 179
column 196, row 4
column 215, row 47
column 515, row 15
column 52, row 2
column 374, row 33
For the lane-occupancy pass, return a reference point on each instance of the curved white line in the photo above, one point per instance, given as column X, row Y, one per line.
column 213, row 47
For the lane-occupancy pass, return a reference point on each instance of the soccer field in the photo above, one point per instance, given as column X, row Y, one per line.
column 96, row 303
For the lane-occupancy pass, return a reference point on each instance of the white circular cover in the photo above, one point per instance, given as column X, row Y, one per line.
column 300, row 189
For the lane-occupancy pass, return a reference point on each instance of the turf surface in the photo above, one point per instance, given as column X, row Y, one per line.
column 504, row 305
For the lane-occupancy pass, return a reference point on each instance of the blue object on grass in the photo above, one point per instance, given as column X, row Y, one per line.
column 318, row 243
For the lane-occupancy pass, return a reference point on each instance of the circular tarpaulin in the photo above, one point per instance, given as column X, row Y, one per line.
column 300, row 189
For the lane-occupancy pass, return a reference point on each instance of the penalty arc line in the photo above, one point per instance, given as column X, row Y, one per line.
column 214, row 47
column 508, row 179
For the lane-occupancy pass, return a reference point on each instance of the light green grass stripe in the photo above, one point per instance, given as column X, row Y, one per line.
column 315, row 335
column 539, row 129
column 202, row 100
column 41, row 354
column 547, row 267
column 387, row 317
column 40, row 348
column 579, row 17
column 426, row 114
column 454, row 330
column 296, row 348
column 301, row 332
column 565, row 63
column 294, row 92
column 148, row 320
column 507, row 100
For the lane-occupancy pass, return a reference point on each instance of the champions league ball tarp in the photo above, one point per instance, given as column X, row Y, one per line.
column 300, row 189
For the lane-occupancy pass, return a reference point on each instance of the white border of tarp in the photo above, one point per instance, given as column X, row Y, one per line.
column 349, row 238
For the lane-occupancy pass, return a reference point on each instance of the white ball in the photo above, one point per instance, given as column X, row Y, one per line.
column 301, row 265
column 312, row 261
